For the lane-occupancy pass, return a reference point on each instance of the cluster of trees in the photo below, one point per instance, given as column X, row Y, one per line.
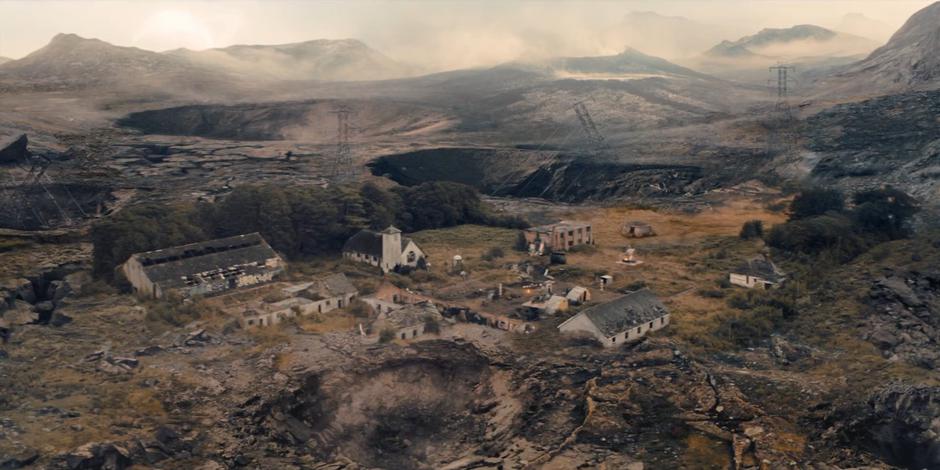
column 296, row 221
column 822, row 224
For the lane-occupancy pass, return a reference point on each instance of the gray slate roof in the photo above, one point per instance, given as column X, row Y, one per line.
column 334, row 285
column 625, row 312
column 369, row 242
column 168, row 266
column 761, row 267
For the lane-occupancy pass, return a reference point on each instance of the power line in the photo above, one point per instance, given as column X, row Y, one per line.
column 342, row 169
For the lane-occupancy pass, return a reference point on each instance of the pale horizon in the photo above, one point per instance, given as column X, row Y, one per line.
column 435, row 36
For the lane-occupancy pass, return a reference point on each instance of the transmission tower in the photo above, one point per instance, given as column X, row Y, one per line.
column 342, row 169
column 594, row 136
column 783, row 79
column 782, row 136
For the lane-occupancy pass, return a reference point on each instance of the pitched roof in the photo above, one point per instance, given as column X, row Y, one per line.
column 576, row 292
column 625, row 312
column 175, row 267
column 369, row 242
column 762, row 268
column 334, row 285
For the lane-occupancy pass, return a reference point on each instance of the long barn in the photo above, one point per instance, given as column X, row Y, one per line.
column 204, row 268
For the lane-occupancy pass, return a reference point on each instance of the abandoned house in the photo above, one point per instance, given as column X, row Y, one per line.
column 578, row 295
column 638, row 229
column 388, row 297
column 386, row 249
column 622, row 320
column 203, row 268
column 319, row 296
column 407, row 322
column 547, row 303
column 757, row 272
column 558, row 237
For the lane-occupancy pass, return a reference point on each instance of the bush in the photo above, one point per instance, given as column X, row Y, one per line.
column 752, row 229
column 816, row 201
column 884, row 212
column 176, row 313
column 359, row 309
column 521, row 243
column 493, row 253
column 386, row 335
column 711, row 293
column 834, row 234
column 747, row 329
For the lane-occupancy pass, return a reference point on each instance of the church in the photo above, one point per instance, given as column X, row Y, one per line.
column 387, row 249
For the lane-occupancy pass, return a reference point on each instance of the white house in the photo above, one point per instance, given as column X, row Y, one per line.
column 621, row 320
column 578, row 295
column 386, row 249
column 759, row 273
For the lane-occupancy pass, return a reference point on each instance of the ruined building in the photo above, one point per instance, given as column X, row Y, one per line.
column 319, row 296
column 386, row 249
column 203, row 268
column 558, row 237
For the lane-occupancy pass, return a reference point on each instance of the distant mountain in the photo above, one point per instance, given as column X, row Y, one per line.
column 73, row 62
column 861, row 25
column 4, row 60
column 909, row 59
column 671, row 37
column 813, row 50
column 322, row 59
column 795, row 42
column 630, row 63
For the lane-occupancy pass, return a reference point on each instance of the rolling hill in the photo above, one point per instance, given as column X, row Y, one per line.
column 321, row 59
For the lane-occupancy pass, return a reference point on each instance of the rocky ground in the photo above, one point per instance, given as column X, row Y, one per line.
column 113, row 385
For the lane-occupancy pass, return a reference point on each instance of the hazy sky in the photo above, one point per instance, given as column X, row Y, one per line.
column 436, row 34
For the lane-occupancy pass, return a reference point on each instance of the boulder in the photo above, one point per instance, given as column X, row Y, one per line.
column 904, row 423
column 58, row 290
column 59, row 319
column 884, row 339
column 22, row 313
column 21, row 459
column 44, row 308
column 78, row 280
column 24, row 290
column 15, row 150
column 98, row 455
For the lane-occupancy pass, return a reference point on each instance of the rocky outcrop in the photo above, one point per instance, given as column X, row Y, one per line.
column 15, row 150
column 900, row 423
column 906, row 324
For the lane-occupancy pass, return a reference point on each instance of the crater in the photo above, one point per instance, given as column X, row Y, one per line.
column 422, row 408
column 531, row 173
column 308, row 121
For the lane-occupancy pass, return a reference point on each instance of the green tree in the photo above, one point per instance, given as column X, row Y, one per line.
column 816, row 201
column 752, row 229
column 885, row 213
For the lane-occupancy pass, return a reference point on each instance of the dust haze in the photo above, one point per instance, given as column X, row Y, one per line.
column 437, row 36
